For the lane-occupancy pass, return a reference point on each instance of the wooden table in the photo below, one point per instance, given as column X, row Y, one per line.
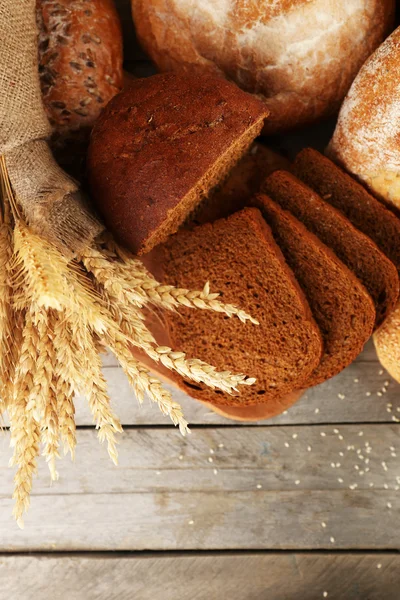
column 291, row 508
column 301, row 507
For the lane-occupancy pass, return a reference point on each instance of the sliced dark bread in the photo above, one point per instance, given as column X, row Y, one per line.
column 161, row 145
column 356, row 250
column 241, row 184
column 347, row 195
column 240, row 258
column 340, row 304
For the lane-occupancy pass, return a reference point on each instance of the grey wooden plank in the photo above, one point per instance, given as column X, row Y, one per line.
column 354, row 396
column 201, row 577
column 358, row 394
column 230, row 488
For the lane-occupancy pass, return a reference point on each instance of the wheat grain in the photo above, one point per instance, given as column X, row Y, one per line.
column 142, row 382
column 94, row 387
column 133, row 285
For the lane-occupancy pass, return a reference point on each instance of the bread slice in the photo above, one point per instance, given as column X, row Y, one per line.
column 356, row 250
column 161, row 145
column 241, row 184
column 340, row 304
column 239, row 257
column 347, row 195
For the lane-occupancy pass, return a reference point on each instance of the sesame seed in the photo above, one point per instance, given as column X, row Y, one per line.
column 220, row 445
column 341, row 396
column 361, row 473
column 392, row 448
column 380, row 372
column 309, row 448
column 215, row 471
column 366, row 461
column 325, row 594
column 332, row 540
column 341, row 454
column 287, row 444
column 338, row 465
column 389, row 505
column 294, row 436
column 316, row 411
column 297, row 482
column 181, row 457
column 367, row 393
column 379, row 566
column 340, row 437
column 210, row 460
column 259, row 486
column 384, row 466
column 340, row 480
column 388, row 410
column 333, row 465
column 367, row 470
column 211, row 451
column 285, row 412
column 356, row 380
column 191, row 522
column 357, row 468
column 360, row 433
column 336, row 431
column 158, row 472
column 385, row 485
column 371, row 484
column 379, row 393
column 393, row 454
column 323, row 524
column 323, row 434
column 387, row 383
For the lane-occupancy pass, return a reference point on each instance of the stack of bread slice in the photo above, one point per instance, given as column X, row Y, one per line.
column 313, row 256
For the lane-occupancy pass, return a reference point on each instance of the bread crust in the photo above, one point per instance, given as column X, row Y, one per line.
column 366, row 138
column 299, row 55
column 80, row 61
column 161, row 145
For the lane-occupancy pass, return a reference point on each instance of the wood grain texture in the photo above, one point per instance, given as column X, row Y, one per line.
column 201, row 577
column 230, row 488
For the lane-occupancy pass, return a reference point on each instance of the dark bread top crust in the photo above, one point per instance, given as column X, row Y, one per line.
column 80, row 60
column 156, row 142
column 347, row 195
column 357, row 251
column 341, row 306
column 239, row 257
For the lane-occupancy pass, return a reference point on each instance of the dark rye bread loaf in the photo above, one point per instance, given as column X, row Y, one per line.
column 347, row 195
column 161, row 145
column 241, row 184
column 340, row 304
column 239, row 257
column 357, row 251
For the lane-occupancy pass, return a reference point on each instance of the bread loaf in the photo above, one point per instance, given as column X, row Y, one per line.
column 366, row 141
column 299, row 55
column 161, row 145
column 357, row 251
column 80, row 62
column 239, row 257
column 340, row 304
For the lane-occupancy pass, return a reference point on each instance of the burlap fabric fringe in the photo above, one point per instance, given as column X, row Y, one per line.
column 52, row 202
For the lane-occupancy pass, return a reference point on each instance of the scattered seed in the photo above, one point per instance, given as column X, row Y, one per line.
column 220, row 445
column 259, row 486
column 379, row 566
column 332, row 540
column 215, row 471
column 297, row 482
column 309, row 448
column 294, row 436
column 210, row 460
column 367, row 393
column 360, row 433
column 316, row 411
column 356, row 380
column 380, row 372
column 389, row 505
column 287, row 444
column 211, row 451
column 340, row 480
column 191, row 522
column 323, row 524
column 325, row 594
column 323, row 434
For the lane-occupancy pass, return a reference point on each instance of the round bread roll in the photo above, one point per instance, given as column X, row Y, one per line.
column 299, row 55
column 80, row 61
column 367, row 137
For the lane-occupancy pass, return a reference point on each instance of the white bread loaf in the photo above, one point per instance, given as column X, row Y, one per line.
column 300, row 55
column 367, row 136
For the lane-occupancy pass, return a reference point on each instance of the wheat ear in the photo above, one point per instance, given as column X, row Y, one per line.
column 135, row 286
column 24, row 427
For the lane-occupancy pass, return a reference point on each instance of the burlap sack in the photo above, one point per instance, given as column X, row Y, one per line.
column 51, row 200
